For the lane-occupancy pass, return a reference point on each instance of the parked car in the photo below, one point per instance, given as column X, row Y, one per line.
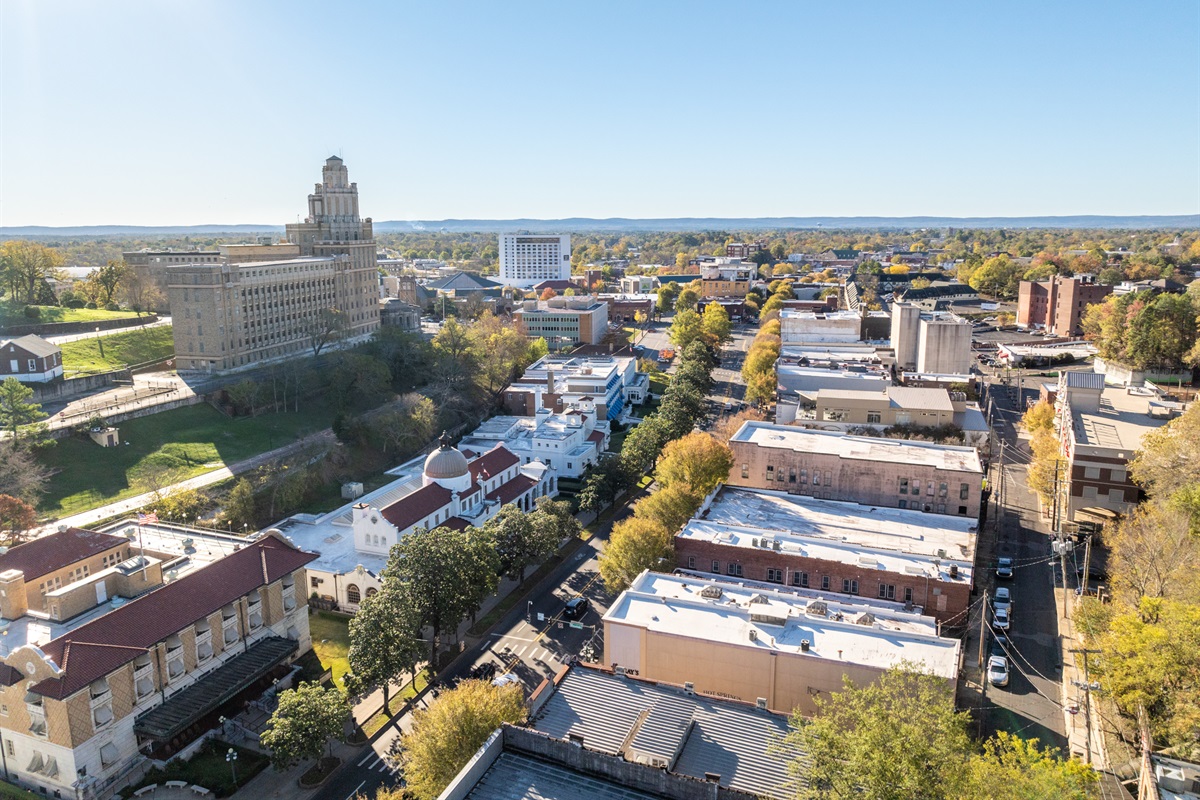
column 575, row 609
column 1003, row 598
column 483, row 671
column 1000, row 619
column 999, row 645
column 998, row 670
column 1004, row 569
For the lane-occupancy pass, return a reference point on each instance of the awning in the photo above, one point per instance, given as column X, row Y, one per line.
column 1098, row 513
column 213, row 690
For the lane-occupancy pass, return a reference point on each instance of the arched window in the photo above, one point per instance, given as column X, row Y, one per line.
column 372, row 591
column 352, row 595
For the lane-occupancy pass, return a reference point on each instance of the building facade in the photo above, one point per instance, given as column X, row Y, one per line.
column 564, row 321
column 149, row 676
column 270, row 301
column 930, row 342
column 1058, row 304
column 526, row 260
column 894, row 473
column 749, row 641
column 30, row 359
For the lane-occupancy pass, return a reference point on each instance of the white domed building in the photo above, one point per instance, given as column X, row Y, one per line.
column 450, row 488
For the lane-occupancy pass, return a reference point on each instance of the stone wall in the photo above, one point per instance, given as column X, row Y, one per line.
column 64, row 328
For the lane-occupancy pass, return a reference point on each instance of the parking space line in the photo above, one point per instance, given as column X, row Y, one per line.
column 364, row 758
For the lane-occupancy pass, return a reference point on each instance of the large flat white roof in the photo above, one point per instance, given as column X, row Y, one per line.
column 803, row 522
column 1121, row 423
column 864, row 448
column 864, row 633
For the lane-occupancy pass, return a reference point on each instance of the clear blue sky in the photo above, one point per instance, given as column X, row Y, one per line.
column 170, row 112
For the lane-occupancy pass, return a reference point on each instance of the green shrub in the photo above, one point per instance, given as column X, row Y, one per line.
column 111, row 307
column 33, row 312
column 74, row 302
column 90, row 305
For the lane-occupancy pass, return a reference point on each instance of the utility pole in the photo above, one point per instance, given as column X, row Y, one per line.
column 1087, row 703
column 1058, row 534
column 1087, row 564
column 983, row 629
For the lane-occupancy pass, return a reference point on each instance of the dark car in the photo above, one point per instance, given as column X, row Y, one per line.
column 575, row 609
column 483, row 671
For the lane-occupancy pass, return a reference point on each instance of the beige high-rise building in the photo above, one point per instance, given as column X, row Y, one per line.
column 262, row 302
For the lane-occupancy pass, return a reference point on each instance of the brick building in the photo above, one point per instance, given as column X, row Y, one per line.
column 893, row 473
column 30, row 359
column 1058, row 304
column 919, row 559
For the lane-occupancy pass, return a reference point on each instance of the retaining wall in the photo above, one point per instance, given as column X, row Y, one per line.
column 63, row 328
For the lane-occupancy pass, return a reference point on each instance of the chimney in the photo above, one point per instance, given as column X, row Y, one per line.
column 804, row 645
column 13, row 600
column 550, row 381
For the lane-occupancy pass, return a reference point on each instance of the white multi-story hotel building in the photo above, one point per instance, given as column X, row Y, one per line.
column 526, row 260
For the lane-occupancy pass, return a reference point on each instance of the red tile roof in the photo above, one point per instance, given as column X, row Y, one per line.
column 58, row 550
column 596, row 436
column 417, row 506
column 93, row 650
column 507, row 492
column 456, row 524
column 494, row 461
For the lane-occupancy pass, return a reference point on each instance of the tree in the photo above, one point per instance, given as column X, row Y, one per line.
column 385, row 639
column 555, row 520
column 1170, row 456
column 325, row 327
column 687, row 300
column 26, row 266
column 671, row 506
column 1012, row 768
column 698, row 460
column 447, row 574
column 907, row 713
column 17, row 411
column 1039, row 417
column 139, row 291
column 547, row 293
column 240, row 508
column 686, row 328
column 1154, row 554
column 1044, row 466
column 519, row 542
column 716, row 325
column 22, row 475
column 998, row 276
column 16, row 517
column 634, row 546
column 455, row 354
column 444, row 736
column 307, row 719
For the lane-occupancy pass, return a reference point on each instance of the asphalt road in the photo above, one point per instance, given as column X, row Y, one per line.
column 1029, row 704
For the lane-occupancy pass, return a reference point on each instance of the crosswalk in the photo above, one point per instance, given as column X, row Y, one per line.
column 533, row 653
column 373, row 762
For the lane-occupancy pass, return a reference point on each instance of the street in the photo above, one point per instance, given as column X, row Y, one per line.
column 1030, row 704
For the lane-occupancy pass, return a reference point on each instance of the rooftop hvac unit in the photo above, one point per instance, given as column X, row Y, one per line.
column 689, row 687
column 619, row 671
column 761, row 703
column 954, row 570
column 753, row 635
column 804, row 645
column 755, row 542
column 778, row 545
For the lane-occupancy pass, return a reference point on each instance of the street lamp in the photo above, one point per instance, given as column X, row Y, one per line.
column 100, row 341
column 231, row 759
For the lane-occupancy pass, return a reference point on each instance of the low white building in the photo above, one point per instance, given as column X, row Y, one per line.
column 809, row 327
column 451, row 488
column 612, row 383
column 569, row 442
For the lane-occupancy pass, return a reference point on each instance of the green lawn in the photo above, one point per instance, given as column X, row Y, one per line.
column 14, row 314
column 7, row 790
column 189, row 441
column 208, row 768
column 331, row 642
column 119, row 350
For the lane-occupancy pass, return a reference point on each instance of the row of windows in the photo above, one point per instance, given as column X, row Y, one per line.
column 905, row 487
column 887, row 591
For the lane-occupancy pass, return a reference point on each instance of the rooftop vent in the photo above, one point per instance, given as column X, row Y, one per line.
column 753, row 635
column 804, row 645
column 865, row 618
column 954, row 570
column 619, row 671
column 711, row 591
column 689, row 687
column 818, row 608
column 712, row 777
column 761, row 702
column 759, row 598
column 575, row 739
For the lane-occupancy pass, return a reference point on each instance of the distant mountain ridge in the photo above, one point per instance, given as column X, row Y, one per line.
column 618, row 224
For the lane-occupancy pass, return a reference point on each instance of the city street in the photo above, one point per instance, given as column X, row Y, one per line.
column 1030, row 704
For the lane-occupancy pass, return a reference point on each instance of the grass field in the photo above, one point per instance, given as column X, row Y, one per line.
column 190, row 441
column 120, row 350
column 331, row 642
column 14, row 314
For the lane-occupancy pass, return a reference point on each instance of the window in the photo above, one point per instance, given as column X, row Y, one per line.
column 904, row 486
column 903, row 504
column 775, row 575
column 770, row 472
column 315, row 582
column 849, row 586
column 908, row 594
column 887, row 591
column 824, row 581
column 32, row 365
column 929, row 489
column 745, row 470
column 964, row 491
column 816, row 478
column 735, row 569
column 799, row 579
column 716, row 566
column 791, row 475
column 942, row 489
column 352, row 594
column 873, row 418
column 1091, row 473
column 962, row 510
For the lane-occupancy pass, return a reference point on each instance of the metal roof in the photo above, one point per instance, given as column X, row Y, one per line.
column 518, row 777
column 645, row 721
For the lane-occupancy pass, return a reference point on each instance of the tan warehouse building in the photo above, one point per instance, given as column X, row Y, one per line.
column 269, row 301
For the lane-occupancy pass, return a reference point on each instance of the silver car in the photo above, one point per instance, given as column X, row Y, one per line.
column 998, row 670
